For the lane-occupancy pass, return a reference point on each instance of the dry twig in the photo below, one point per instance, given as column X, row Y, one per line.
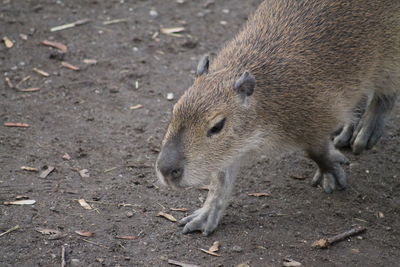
column 63, row 263
column 10, row 230
column 326, row 242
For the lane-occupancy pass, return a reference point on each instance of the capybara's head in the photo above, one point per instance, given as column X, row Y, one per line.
column 211, row 125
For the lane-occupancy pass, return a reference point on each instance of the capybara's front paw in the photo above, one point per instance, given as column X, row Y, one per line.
column 205, row 220
column 330, row 180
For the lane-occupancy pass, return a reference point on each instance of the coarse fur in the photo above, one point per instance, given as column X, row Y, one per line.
column 313, row 61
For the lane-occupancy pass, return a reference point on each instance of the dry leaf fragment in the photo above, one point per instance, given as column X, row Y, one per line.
column 84, row 173
column 210, row 252
column 20, row 202
column 16, row 124
column 21, row 197
column 69, row 66
column 181, row 264
column 47, row 231
column 179, row 209
column 63, row 48
column 7, row 42
column 138, row 106
column 53, row 234
column 214, row 247
column 85, row 233
column 46, row 172
column 321, row 243
column 41, row 72
column 291, row 263
column 66, row 156
column 127, row 237
column 172, row 31
column 29, row 169
column 9, row 83
column 84, row 204
column 167, row 216
column 259, row 194
column 297, row 177
column 90, row 61
column 31, row 89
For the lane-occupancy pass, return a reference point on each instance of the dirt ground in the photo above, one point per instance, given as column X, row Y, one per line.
column 87, row 115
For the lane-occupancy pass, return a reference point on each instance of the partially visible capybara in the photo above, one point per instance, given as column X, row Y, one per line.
column 294, row 74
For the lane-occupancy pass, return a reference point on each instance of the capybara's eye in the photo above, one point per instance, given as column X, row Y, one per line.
column 216, row 128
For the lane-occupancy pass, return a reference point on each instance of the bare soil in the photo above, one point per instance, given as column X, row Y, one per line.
column 87, row 114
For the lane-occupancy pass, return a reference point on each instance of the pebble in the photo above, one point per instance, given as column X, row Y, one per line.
column 129, row 214
column 237, row 248
column 153, row 13
column 163, row 258
column 75, row 262
column 170, row 96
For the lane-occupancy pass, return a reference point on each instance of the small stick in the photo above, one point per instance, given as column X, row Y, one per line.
column 31, row 89
column 70, row 25
column 110, row 203
column 325, row 242
column 94, row 243
column 23, row 80
column 110, row 169
column 41, row 72
column 10, row 230
column 63, row 263
column 16, row 124
column 108, row 22
column 69, row 66
column 9, row 83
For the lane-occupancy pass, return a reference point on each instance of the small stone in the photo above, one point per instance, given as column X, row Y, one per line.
column 75, row 262
column 163, row 258
column 237, row 248
column 223, row 22
column 153, row 13
column 360, row 237
column 129, row 214
column 170, row 96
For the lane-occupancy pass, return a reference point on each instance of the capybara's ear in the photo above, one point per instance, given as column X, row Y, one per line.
column 245, row 85
column 202, row 67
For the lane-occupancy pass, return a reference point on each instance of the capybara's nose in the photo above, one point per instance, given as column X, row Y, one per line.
column 170, row 162
column 170, row 172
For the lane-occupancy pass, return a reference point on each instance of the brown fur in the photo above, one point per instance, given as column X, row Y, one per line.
column 313, row 61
